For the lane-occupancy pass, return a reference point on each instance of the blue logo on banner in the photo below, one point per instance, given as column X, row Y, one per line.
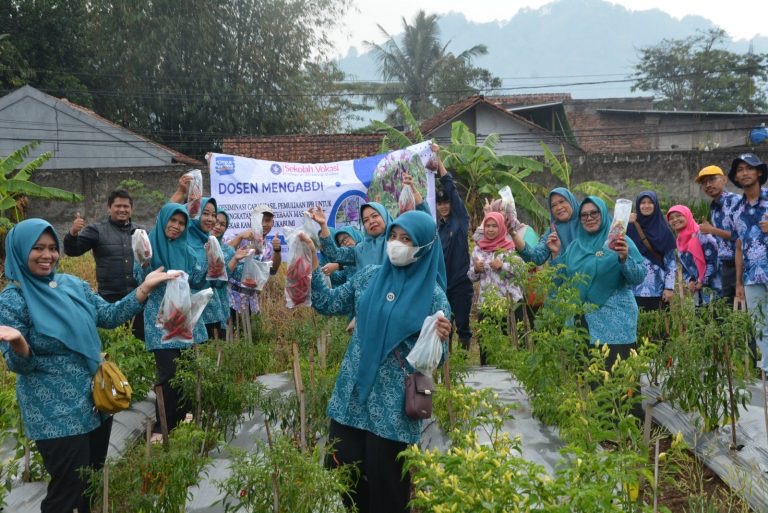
column 276, row 169
column 225, row 165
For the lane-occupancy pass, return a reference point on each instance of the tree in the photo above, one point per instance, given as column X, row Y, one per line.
column 481, row 172
column 421, row 71
column 16, row 186
column 695, row 74
column 46, row 47
column 189, row 72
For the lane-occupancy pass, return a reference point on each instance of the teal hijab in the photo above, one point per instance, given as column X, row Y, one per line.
column 57, row 303
column 351, row 231
column 381, row 323
column 171, row 254
column 373, row 250
column 198, row 237
column 566, row 230
column 599, row 265
column 226, row 216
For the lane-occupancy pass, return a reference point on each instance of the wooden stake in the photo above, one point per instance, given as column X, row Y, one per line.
column 656, row 479
column 161, row 408
column 447, row 385
column 105, row 493
column 148, row 436
column 198, row 390
column 299, row 385
column 731, row 403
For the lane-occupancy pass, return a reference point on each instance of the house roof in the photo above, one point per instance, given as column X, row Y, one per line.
column 684, row 113
column 104, row 130
column 317, row 148
column 453, row 111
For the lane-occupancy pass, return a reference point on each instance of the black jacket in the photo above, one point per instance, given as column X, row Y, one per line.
column 454, row 235
column 112, row 251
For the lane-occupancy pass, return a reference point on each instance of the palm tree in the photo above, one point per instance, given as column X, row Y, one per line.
column 415, row 68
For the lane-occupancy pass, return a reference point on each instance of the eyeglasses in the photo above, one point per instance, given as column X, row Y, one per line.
column 343, row 239
column 594, row 214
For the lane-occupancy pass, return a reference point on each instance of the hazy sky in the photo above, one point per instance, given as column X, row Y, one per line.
column 742, row 19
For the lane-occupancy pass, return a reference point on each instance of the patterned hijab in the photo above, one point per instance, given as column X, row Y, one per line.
column 655, row 228
column 688, row 238
column 382, row 323
column 57, row 303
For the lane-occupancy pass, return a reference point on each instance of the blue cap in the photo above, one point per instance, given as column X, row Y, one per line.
column 751, row 160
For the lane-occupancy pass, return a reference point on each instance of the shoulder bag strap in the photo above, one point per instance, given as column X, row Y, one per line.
column 645, row 241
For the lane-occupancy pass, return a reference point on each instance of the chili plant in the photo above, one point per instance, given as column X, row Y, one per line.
column 134, row 360
column 158, row 481
column 708, row 374
column 280, row 477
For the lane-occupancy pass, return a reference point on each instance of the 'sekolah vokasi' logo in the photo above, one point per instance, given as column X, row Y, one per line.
column 224, row 165
column 275, row 169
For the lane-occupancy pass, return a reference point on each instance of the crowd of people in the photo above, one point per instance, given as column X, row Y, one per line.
column 386, row 278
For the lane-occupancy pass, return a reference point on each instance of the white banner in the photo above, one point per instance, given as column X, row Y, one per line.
column 239, row 184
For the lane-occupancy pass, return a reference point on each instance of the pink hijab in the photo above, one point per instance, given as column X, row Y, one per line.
column 500, row 242
column 688, row 238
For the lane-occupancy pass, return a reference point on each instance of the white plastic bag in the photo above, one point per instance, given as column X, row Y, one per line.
column 428, row 350
column 406, row 201
column 508, row 207
column 215, row 256
column 174, row 312
column 255, row 272
column 258, row 230
column 142, row 249
column 194, row 193
column 298, row 278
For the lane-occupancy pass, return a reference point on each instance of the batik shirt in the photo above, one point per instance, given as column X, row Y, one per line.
column 657, row 278
column 237, row 299
column 721, row 212
column 53, row 384
column 754, row 242
column 711, row 277
column 383, row 413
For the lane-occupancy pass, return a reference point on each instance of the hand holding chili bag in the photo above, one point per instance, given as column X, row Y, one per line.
column 194, row 193
column 298, row 276
column 174, row 313
column 215, row 256
column 406, row 201
column 142, row 249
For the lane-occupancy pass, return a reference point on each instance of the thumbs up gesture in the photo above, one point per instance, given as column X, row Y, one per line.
column 77, row 225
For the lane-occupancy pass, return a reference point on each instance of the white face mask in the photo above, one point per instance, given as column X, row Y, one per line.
column 401, row 254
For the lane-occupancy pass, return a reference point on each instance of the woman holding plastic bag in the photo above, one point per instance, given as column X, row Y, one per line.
column 199, row 239
column 367, row 407
column 171, row 251
column 49, row 340
column 232, row 257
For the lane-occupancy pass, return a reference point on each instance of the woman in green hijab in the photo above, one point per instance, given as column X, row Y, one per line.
column 49, row 339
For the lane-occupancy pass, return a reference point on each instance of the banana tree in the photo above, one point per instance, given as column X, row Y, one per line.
column 395, row 139
column 561, row 170
column 481, row 172
column 16, row 186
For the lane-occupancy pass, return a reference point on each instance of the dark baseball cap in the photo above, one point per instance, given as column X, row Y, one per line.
column 441, row 196
column 751, row 160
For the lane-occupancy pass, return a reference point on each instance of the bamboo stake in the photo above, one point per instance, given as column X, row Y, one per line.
column 765, row 401
column 656, row 479
column 275, row 488
column 527, row 326
column 105, row 492
column 148, row 436
column 732, row 405
column 300, row 394
column 447, row 384
column 27, row 475
column 198, row 389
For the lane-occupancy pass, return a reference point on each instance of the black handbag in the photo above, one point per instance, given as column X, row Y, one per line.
column 418, row 393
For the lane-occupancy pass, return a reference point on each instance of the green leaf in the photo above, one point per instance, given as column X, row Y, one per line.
column 38, row 191
column 16, row 158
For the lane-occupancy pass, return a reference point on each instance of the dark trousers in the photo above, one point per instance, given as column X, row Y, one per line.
column 728, row 279
column 381, row 487
column 63, row 459
column 165, row 369
column 460, row 298
column 649, row 304
column 138, row 319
